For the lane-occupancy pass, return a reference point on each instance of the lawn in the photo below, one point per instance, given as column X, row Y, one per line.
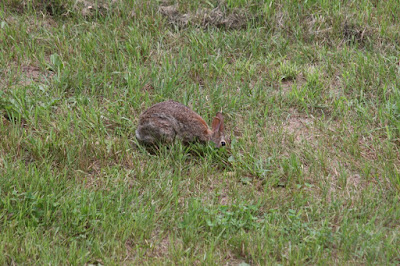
column 310, row 91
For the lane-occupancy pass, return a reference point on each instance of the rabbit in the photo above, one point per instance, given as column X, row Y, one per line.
column 165, row 121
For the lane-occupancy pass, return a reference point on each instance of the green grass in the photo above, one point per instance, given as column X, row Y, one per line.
column 310, row 93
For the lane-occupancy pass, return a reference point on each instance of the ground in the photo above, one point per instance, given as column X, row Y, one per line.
column 310, row 95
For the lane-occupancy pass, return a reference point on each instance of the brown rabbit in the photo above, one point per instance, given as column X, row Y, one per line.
column 164, row 121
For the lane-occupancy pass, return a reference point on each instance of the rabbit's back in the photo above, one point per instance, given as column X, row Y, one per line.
column 166, row 120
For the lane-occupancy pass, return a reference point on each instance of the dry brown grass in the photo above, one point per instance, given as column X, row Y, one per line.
column 205, row 17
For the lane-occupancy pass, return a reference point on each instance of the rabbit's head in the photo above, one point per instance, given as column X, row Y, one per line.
column 218, row 136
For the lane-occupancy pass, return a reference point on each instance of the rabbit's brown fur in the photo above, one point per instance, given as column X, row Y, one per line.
column 165, row 121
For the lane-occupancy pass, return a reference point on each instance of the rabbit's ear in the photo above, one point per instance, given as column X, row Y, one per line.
column 218, row 123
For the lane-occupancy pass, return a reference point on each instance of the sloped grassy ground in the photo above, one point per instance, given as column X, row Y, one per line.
column 311, row 98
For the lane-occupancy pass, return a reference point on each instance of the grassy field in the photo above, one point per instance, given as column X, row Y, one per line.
column 311, row 96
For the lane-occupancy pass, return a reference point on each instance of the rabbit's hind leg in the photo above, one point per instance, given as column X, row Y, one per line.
column 150, row 135
column 145, row 135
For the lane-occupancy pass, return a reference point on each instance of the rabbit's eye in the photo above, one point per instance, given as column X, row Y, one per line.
column 223, row 143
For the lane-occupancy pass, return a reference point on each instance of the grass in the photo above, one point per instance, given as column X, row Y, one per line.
column 310, row 93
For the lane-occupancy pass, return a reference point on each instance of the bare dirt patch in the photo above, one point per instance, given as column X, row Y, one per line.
column 25, row 75
column 354, row 180
column 34, row 74
column 343, row 175
column 349, row 189
column 31, row 72
column 301, row 126
column 35, row 24
column 159, row 248
column 92, row 176
column 286, row 86
column 336, row 86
